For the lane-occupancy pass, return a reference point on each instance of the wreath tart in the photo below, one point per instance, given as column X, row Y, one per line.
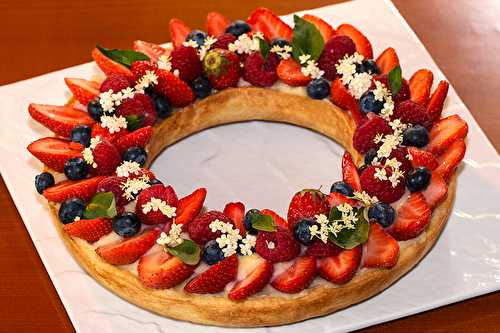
column 247, row 266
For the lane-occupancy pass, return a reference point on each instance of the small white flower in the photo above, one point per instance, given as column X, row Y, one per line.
column 173, row 238
column 283, row 52
column 131, row 187
column 304, row 58
column 128, row 168
column 245, row 44
column 359, row 84
column 113, row 123
column 190, row 43
column 165, row 62
column 228, row 241
column 270, row 245
column 87, row 152
column 365, row 198
column 248, row 243
column 380, row 174
column 312, row 70
column 156, row 204
column 106, row 101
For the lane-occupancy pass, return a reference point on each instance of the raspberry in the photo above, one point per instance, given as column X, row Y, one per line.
column 400, row 154
column 107, row 158
column 113, row 184
column 165, row 193
column 199, row 230
column 277, row 246
column 382, row 189
column 335, row 49
column 366, row 132
column 186, row 60
column 140, row 105
column 404, row 91
column 174, row 89
column 114, row 82
column 261, row 72
column 320, row 249
column 139, row 68
column 223, row 41
column 413, row 113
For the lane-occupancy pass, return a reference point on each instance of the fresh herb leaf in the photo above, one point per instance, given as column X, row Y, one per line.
column 101, row 205
column 134, row 122
column 395, row 80
column 306, row 39
column 350, row 238
column 187, row 251
column 264, row 48
column 124, row 57
column 263, row 222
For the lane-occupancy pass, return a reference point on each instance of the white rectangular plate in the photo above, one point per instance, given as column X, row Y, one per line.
column 263, row 164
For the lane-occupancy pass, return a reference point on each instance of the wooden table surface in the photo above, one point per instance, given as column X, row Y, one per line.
column 42, row 36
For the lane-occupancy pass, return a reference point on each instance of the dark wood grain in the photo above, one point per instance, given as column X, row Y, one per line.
column 42, row 36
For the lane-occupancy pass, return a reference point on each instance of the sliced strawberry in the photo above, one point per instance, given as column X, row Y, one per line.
column 83, row 189
column 326, row 30
column 412, row 218
column 289, row 71
column 340, row 268
column 236, row 211
column 387, row 60
column 363, row 45
column 422, row 158
column 278, row 220
column 104, row 134
column 336, row 199
column 350, row 172
column 265, row 21
column 320, row 249
column 436, row 190
column 214, row 279
column 89, row 230
column 190, row 206
column 129, row 250
column 161, row 270
column 83, row 90
column 436, row 102
column 445, row 132
column 216, row 24
column 152, row 50
column 297, row 277
column 139, row 137
column 178, row 31
column 54, row 152
column 420, row 86
column 381, row 250
column 59, row 119
column 253, row 282
column 449, row 160
column 340, row 96
column 109, row 66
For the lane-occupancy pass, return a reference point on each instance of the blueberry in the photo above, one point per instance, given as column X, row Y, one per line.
column 281, row 42
column 198, row 36
column 368, row 66
column 135, row 154
column 44, row 181
column 416, row 136
column 155, row 182
column 318, row 88
column 94, row 109
column 126, row 225
column 342, row 188
column 70, row 209
column 248, row 221
column 76, row 168
column 201, row 87
column 81, row 134
column 370, row 155
column 301, row 231
column 383, row 213
column 149, row 91
column 162, row 106
column 238, row 27
column 368, row 103
column 212, row 253
column 418, row 179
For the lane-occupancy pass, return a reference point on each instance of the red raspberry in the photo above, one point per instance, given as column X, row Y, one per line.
column 140, row 105
column 366, row 132
column 103, row 133
column 404, row 92
column 261, row 72
column 223, row 41
column 199, row 230
column 113, row 184
column 382, row 189
column 320, row 249
column 400, row 154
column 165, row 193
column 277, row 246
column 412, row 113
column 114, row 82
column 139, row 68
column 107, row 158
column 174, row 89
column 186, row 60
column 335, row 49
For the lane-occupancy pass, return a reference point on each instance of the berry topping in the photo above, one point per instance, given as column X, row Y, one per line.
column 254, row 282
column 420, row 86
column 340, row 268
column 445, row 132
column 247, row 221
column 177, row 91
column 387, row 60
column 368, row 66
column 186, row 60
column 161, row 270
column 70, row 210
column 306, row 204
column 236, row 211
column 162, row 106
column 368, row 103
column 76, row 168
column 418, row 179
column 84, row 91
column 342, row 188
column 114, row 82
column 156, row 205
column 297, row 277
column 89, row 230
column 381, row 250
column 217, row 24
column 363, row 139
column 382, row 213
column 138, row 138
column 214, row 279
column 318, row 88
column 324, row 28
column 412, row 218
column 201, row 87
column 83, row 189
column 436, row 102
column 259, row 71
column 449, row 160
column 436, row 191
column 238, row 28
column 199, row 229
column 139, row 68
column 197, row 36
column 320, row 249
column 277, row 246
column 113, row 184
column 190, row 206
column 340, row 96
column 410, row 112
column 336, row 199
column 59, row 119
column 416, row 136
column 105, row 159
column 109, row 66
column 335, row 49
column 222, row 68
column 141, row 106
column 278, row 220
column 370, row 155
column 404, row 91
column 422, row 158
column 94, row 109
column 152, row 50
column 43, row 181
column 290, row 72
column 302, row 231
column 264, row 20
column 81, row 134
column 135, row 154
column 223, row 41
column 178, row 31
column 281, row 42
column 363, row 45
column 350, row 172
column 382, row 189
column 212, row 253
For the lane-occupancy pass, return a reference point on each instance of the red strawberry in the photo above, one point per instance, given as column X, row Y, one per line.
column 350, row 172
column 164, row 193
column 265, row 21
column 59, row 119
column 420, row 86
column 340, row 96
column 161, row 270
column 83, row 189
column 382, row 189
column 412, row 113
column 326, row 30
column 381, row 250
column 54, row 152
column 84, row 91
column 139, row 68
column 366, row 131
column 436, row 191
column 222, row 68
column 152, row 50
column 199, row 230
column 422, row 158
column 340, row 268
column 89, row 230
column 336, row 199
column 363, row 45
column 297, row 277
column 139, row 137
column 216, row 24
column 214, row 279
column 289, row 71
column 103, row 133
column 236, row 212
column 109, row 66
column 449, row 160
column 115, row 83
column 178, row 31
column 259, row 71
column 412, row 218
column 140, row 105
column 277, row 246
column 113, row 184
column 404, row 91
column 106, row 157
column 335, row 49
column 253, row 282
column 436, row 102
column 320, row 249
column 387, row 60
column 305, row 204
column 223, row 41
column 177, row 91
column 278, row 220
column 445, row 132
column 190, row 206
column 129, row 250
column 186, row 60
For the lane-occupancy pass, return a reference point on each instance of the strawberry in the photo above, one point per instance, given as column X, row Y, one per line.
column 89, row 230
column 129, row 250
column 161, row 270
column 446, row 131
column 253, row 282
column 152, row 50
column 83, row 90
column 139, row 68
column 350, row 172
column 54, row 152
column 340, row 96
column 289, row 71
column 140, row 105
column 109, row 66
column 277, row 246
column 278, row 220
column 320, row 249
column 216, row 24
column 324, row 28
column 363, row 45
column 103, row 133
column 336, row 199
column 436, row 191
column 113, row 184
column 412, row 218
column 413, row 113
column 306, row 204
column 387, row 60
column 106, row 157
column 381, row 250
column 190, row 206
column 199, row 230
column 236, row 212
column 164, row 193
column 420, row 86
column 422, row 158
column 261, row 72
column 177, row 91
column 382, row 189
column 139, row 137
column 449, row 159
column 186, row 60
column 214, row 279
column 436, row 102
column 335, row 49
column 223, row 41
column 340, row 268
column 366, row 131
column 265, row 21
column 222, row 68
column 59, row 119
column 178, row 31
column 297, row 277
column 83, row 189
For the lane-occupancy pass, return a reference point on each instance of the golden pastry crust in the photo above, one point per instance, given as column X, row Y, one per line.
column 243, row 104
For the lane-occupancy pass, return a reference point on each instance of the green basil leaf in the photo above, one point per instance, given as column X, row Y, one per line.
column 187, row 251
column 134, row 122
column 264, row 48
column 263, row 222
column 306, row 39
column 101, row 205
column 395, row 80
column 350, row 238
column 124, row 57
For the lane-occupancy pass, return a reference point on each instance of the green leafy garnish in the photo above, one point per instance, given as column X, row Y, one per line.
column 264, row 48
column 263, row 222
column 395, row 80
column 350, row 238
column 187, row 251
column 101, row 205
column 134, row 122
column 306, row 39
column 124, row 57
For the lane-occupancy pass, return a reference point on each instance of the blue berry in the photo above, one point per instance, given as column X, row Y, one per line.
column 238, row 27
column 342, row 188
column 368, row 66
column 162, row 106
column 370, row 155
column 76, row 168
column 416, row 136
column 70, row 209
column 318, row 88
column 94, row 109
column 383, row 213
column 155, row 182
column 248, row 221
column 418, row 179
column 368, row 103
column 126, row 225
column 201, row 87
column 135, row 154
column 302, row 232
column 44, row 181
column 212, row 253
column 81, row 134
column 198, row 36
column 281, row 42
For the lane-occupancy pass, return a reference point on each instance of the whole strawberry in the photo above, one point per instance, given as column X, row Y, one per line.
column 259, row 71
column 222, row 68
column 335, row 49
column 306, row 204
column 177, row 91
column 106, row 159
column 186, row 60
column 140, row 105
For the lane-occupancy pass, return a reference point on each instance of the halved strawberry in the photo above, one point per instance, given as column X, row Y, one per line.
column 265, row 21
column 412, row 218
column 83, row 90
column 336, row 199
column 83, row 189
column 381, row 250
column 363, row 45
column 278, row 220
column 59, row 119
column 326, row 30
column 214, row 279
column 89, row 230
column 129, row 250
column 320, row 249
column 178, row 31
column 161, row 270
column 340, row 96
column 236, row 211
column 449, row 160
column 54, row 152
column 139, row 137
column 445, row 132
column 190, row 206
column 436, row 190
column 216, row 24
column 420, row 86
column 436, row 102
column 109, row 66
column 297, row 277
column 340, row 268
column 350, row 172
column 178, row 92
column 387, row 60
column 422, row 158
column 289, row 71
column 253, row 282
column 152, row 50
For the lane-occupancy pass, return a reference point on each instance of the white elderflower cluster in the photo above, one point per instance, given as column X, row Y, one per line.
column 132, row 187
column 247, row 245
column 148, row 79
column 87, row 152
column 165, row 62
column 359, row 84
column 228, row 241
column 282, row 52
column 383, row 94
column 346, row 67
column 190, row 43
column 113, row 123
column 246, row 44
column 310, row 67
column 128, row 168
column 365, row 198
column 173, row 238
column 396, row 174
column 156, row 204
column 389, row 141
column 326, row 226
column 321, row 229
column 202, row 51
